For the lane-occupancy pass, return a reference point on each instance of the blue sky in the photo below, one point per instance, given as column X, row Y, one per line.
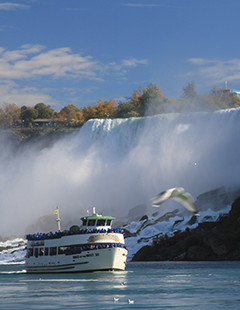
column 64, row 52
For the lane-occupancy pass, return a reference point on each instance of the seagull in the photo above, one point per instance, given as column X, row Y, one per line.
column 123, row 283
column 130, row 301
column 178, row 194
column 115, row 299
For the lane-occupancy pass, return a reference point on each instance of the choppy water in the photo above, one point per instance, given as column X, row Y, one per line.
column 163, row 285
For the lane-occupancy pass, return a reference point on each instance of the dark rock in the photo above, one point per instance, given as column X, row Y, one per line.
column 128, row 234
column 143, row 218
column 209, row 241
column 192, row 220
column 198, row 253
column 218, row 247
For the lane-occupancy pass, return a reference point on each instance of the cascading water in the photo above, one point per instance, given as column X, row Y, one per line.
column 197, row 151
column 118, row 164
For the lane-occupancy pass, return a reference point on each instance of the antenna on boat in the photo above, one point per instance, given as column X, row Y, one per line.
column 58, row 218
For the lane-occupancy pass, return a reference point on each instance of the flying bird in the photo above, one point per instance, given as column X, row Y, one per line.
column 130, row 301
column 178, row 194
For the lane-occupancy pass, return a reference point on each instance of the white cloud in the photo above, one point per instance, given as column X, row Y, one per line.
column 133, row 62
column 36, row 63
column 7, row 6
column 216, row 71
column 10, row 92
column 30, row 61
column 122, row 67
column 198, row 61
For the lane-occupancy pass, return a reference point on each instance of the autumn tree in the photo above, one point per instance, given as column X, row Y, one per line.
column 3, row 120
column 10, row 115
column 106, row 109
column 89, row 112
column 135, row 99
column 71, row 114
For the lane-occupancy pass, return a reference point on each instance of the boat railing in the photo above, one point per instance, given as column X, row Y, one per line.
column 59, row 234
column 89, row 247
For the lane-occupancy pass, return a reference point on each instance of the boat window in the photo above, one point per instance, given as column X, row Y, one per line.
column 53, row 251
column 30, row 252
column 91, row 222
column 84, row 222
column 109, row 223
column 63, row 249
column 46, row 251
column 36, row 252
column 76, row 249
column 41, row 251
column 101, row 222
column 72, row 249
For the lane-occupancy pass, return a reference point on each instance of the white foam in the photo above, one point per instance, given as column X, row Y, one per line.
column 14, row 252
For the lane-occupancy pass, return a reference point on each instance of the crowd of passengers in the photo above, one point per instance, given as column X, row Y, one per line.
column 59, row 234
column 88, row 247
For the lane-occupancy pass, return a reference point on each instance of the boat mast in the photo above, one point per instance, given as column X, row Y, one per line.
column 58, row 218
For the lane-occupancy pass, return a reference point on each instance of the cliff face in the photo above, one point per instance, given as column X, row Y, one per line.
column 208, row 242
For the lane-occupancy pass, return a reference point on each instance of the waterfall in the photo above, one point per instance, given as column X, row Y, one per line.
column 116, row 164
column 198, row 151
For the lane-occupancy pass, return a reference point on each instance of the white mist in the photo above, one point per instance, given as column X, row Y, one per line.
column 117, row 164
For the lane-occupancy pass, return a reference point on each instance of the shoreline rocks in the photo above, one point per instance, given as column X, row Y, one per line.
column 210, row 241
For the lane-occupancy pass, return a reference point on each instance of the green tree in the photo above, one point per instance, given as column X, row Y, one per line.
column 151, row 101
column 44, row 111
column 189, row 91
column 126, row 109
column 28, row 115
column 191, row 101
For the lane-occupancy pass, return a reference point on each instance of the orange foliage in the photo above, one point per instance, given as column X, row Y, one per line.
column 71, row 113
column 106, row 108
column 12, row 114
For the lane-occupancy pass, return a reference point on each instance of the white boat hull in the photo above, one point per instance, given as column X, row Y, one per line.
column 93, row 260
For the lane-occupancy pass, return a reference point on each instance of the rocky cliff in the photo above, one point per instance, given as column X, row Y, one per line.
column 208, row 242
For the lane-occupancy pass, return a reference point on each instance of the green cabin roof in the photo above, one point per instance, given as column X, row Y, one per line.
column 97, row 217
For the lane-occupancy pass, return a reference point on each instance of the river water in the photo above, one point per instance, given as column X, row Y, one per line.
column 157, row 285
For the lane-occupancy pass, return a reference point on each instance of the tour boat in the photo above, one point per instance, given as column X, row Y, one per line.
column 95, row 246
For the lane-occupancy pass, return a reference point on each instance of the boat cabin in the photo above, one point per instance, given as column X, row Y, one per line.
column 97, row 221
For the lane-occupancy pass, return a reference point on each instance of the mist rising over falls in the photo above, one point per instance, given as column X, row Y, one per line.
column 116, row 165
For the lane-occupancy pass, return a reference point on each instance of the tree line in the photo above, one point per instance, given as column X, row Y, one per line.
column 143, row 102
